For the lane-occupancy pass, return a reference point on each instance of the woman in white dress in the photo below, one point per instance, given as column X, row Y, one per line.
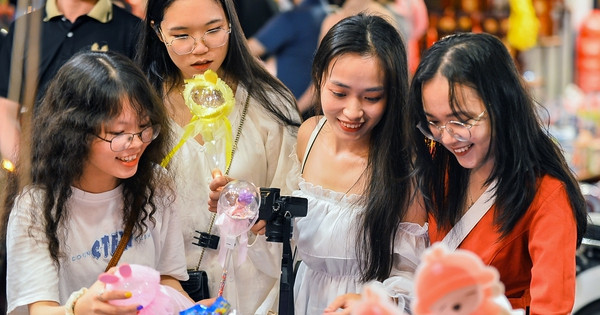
column 364, row 221
column 183, row 38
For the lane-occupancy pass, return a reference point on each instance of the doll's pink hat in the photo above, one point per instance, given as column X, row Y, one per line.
column 442, row 272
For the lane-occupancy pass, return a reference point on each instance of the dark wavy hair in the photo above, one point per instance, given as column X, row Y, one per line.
column 387, row 195
column 88, row 91
column 239, row 65
column 523, row 149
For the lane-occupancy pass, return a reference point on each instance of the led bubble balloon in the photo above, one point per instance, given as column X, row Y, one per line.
column 210, row 101
column 237, row 211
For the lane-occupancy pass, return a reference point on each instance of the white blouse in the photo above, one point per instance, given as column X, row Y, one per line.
column 262, row 157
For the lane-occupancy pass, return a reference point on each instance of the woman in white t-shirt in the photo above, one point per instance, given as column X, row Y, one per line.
column 97, row 139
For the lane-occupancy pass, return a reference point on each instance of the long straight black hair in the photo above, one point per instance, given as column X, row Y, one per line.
column 523, row 149
column 388, row 192
column 239, row 65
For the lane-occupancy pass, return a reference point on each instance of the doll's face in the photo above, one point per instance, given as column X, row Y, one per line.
column 463, row 301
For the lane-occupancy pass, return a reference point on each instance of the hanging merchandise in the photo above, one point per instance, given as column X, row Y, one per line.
column 588, row 53
column 523, row 25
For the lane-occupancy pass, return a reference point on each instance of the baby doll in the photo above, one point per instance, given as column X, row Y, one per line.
column 457, row 283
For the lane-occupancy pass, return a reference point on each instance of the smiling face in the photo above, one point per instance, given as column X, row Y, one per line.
column 353, row 97
column 104, row 168
column 472, row 153
column 178, row 22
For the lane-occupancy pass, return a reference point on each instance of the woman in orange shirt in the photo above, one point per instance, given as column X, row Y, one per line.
column 484, row 133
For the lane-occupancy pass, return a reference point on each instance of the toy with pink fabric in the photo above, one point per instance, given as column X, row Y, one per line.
column 457, row 283
column 144, row 284
column 237, row 211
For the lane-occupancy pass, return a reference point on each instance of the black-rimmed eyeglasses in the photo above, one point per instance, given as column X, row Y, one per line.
column 122, row 141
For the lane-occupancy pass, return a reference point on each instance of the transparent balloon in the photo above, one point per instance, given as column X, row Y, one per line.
column 210, row 101
column 238, row 208
column 237, row 211
column 209, row 97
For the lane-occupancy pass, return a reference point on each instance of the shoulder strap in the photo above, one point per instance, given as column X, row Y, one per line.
column 463, row 227
column 311, row 140
column 121, row 247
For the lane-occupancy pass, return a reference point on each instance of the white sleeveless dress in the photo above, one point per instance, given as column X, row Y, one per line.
column 326, row 240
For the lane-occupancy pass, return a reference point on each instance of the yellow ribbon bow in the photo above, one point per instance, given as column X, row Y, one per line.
column 210, row 100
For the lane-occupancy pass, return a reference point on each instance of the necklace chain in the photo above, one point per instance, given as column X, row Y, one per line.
column 233, row 149
column 471, row 202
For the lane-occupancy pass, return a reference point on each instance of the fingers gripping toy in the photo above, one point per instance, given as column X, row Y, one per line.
column 456, row 283
column 144, row 284
column 375, row 301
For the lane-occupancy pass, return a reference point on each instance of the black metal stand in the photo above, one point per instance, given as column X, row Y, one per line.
column 286, row 284
column 207, row 240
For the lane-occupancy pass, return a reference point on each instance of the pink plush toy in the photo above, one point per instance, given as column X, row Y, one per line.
column 144, row 284
column 456, row 283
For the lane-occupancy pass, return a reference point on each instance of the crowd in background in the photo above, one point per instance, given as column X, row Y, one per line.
column 332, row 102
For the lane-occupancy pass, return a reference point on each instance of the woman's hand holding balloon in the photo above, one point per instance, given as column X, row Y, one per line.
column 216, row 186
column 96, row 301
column 259, row 228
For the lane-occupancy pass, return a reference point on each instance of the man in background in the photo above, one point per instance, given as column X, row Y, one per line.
column 291, row 38
column 67, row 27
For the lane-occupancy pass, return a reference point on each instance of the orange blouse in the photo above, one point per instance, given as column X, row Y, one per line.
column 536, row 260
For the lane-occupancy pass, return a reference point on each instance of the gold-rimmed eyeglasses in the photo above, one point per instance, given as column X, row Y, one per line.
column 461, row 131
column 185, row 44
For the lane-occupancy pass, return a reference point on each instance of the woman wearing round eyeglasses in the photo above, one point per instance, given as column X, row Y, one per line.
column 97, row 139
column 478, row 136
column 182, row 38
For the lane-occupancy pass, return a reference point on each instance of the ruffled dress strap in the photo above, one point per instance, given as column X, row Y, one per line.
column 311, row 141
